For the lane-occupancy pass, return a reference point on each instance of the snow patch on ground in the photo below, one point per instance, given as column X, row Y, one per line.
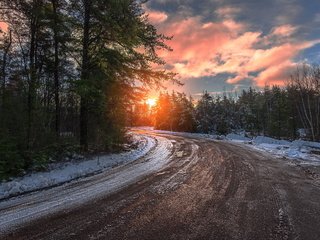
column 237, row 137
column 17, row 211
column 306, row 152
column 269, row 140
column 61, row 173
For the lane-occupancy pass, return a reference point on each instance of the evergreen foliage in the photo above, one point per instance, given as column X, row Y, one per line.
column 174, row 112
column 276, row 112
column 70, row 70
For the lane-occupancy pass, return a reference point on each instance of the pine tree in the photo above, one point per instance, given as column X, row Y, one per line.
column 204, row 114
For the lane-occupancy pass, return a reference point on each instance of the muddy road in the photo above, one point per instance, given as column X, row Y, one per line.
column 202, row 190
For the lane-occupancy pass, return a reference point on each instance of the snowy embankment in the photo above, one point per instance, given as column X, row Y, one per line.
column 155, row 154
column 64, row 172
column 305, row 152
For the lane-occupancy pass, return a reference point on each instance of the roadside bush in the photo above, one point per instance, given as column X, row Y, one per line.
column 11, row 161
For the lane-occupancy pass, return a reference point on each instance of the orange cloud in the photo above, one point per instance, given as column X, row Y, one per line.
column 284, row 30
column 273, row 64
column 156, row 17
column 195, row 45
column 275, row 74
column 202, row 49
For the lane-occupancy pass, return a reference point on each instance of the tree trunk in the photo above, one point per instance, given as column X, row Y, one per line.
column 31, row 82
column 4, row 66
column 56, row 68
column 84, row 77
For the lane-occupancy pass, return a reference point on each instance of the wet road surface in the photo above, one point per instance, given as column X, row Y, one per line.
column 205, row 190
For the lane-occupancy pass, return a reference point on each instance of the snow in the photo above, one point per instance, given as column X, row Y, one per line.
column 110, row 173
column 115, row 171
column 301, row 143
column 61, row 173
column 302, row 151
column 237, row 137
column 268, row 140
column 155, row 154
column 298, row 150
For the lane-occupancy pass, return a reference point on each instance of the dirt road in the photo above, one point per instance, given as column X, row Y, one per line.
column 202, row 190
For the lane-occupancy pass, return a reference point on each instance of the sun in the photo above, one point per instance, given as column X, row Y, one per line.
column 151, row 102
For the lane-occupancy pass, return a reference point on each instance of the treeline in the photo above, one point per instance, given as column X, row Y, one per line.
column 69, row 71
column 173, row 112
column 290, row 112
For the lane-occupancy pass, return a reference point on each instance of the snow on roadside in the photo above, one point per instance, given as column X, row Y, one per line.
column 303, row 151
column 16, row 212
column 61, row 173
column 237, row 137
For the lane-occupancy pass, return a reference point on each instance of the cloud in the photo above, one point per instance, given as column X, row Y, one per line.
column 207, row 49
column 228, row 11
column 292, row 11
column 275, row 74
column 284, row 30
column 156, row 17
column 273, row 64
column 205, row 46
column 196, row 45
column 317, row 18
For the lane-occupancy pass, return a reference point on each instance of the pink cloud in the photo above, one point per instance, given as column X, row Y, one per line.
column 275, row 74
column 233, row 26
column 262, row 59
column 195, row 45
column 284, row 30
column 202, row 49
column 274, row 64
column 156, row 17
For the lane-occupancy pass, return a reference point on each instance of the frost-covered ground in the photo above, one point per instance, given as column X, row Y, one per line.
column 155, row 154
column 305, row 152
column 62, row 173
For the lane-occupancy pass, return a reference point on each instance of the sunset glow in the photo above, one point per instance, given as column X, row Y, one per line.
column 231, row 47
column 151, row 102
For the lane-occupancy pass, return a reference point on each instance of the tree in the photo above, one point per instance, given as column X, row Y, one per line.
column 204, row 114
column 174, row 112
column 118, row 47
column 6, row 47
column 163, row 118
column 305, row 81
column 70, row 70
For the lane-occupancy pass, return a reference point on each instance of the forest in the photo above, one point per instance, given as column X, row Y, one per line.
column 69, row 71
column 289, row 112
column 74, row 75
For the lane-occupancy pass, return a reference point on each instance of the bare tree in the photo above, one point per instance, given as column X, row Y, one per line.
column 6, row 46
column 306, row 82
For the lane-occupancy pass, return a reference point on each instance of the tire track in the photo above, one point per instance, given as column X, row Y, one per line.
column 206, row 190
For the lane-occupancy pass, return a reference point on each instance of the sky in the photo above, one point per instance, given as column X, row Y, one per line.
column 230, row 45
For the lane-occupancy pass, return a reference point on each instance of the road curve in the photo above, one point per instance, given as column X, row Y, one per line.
column 185, row 188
